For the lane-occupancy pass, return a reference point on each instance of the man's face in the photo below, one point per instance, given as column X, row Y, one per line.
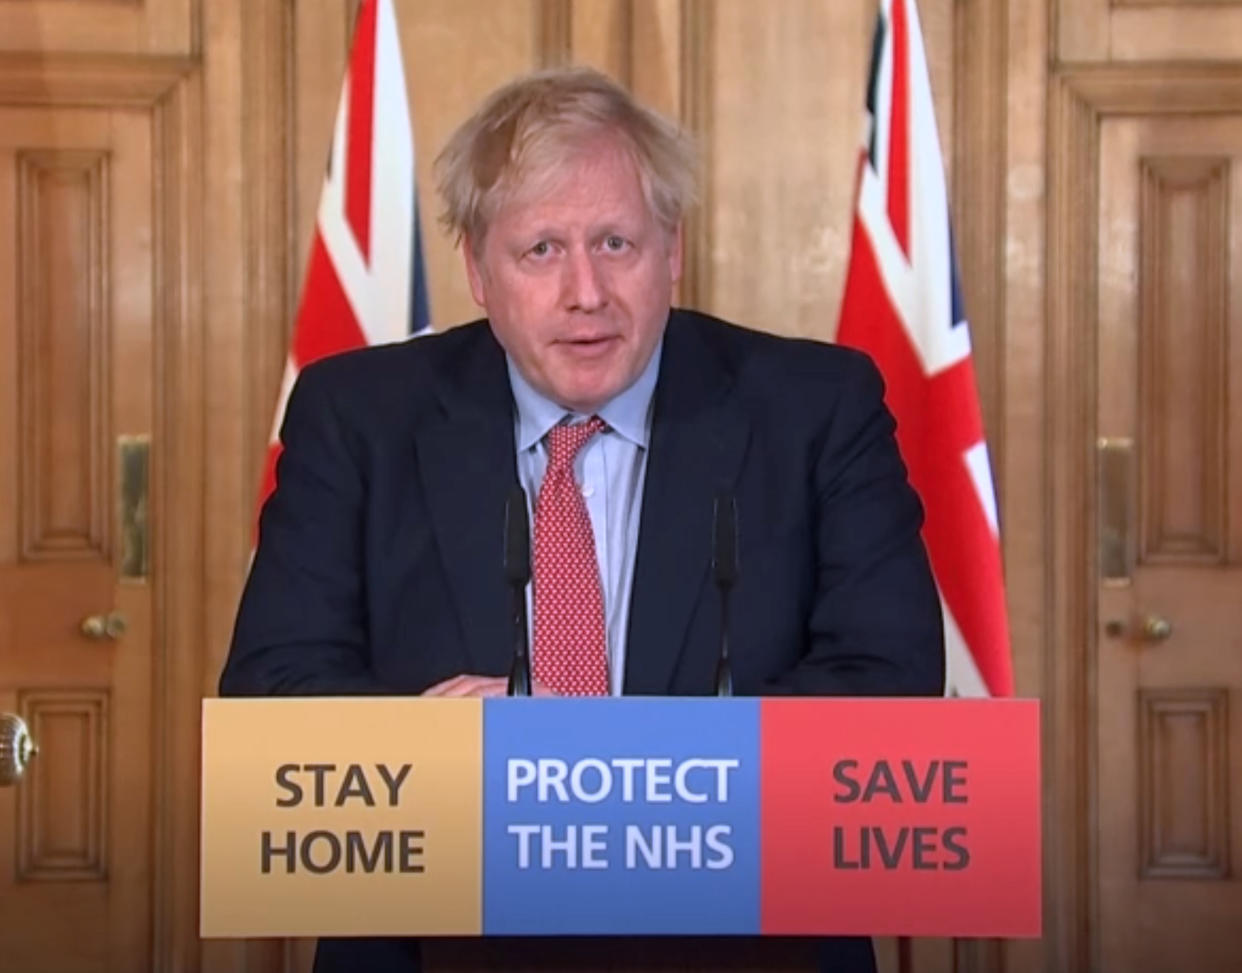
column 577, row 281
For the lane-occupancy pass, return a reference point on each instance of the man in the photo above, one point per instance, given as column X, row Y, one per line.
column 378, row 568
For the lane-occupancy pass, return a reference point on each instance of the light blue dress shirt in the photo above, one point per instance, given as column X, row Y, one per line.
column 610, row 470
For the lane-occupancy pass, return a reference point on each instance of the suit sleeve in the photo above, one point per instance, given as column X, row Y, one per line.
column 301, row 625
column 875, row 625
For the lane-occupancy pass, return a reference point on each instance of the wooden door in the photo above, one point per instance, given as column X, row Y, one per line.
column 1169, row 664
column 77, row 317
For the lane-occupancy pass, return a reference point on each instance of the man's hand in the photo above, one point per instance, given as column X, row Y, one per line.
column 480, row 686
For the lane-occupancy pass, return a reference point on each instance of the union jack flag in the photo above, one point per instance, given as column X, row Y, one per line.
column 365, row 282
column 903, row 305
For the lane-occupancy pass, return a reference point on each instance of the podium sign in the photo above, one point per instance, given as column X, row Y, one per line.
column 632, row 816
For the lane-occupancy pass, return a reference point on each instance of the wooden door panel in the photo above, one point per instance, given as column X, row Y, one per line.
column 78, row 247
column 1169, row 386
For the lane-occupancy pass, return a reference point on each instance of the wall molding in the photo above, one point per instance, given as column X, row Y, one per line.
column 554, row 33
column 271, row 267
column 696, row 38
column 90, row 80
column 178, row 471
column 980, row 110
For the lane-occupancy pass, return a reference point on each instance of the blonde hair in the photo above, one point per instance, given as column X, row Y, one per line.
column 524, row 131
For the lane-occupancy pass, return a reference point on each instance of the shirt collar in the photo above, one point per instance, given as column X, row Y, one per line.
column 628, row 414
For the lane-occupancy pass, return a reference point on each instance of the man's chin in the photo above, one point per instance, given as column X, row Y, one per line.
column 587, row 397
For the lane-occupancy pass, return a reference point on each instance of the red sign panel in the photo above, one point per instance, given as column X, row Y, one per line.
column 910, row 817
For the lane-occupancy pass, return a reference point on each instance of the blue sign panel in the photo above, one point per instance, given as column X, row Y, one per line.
column 621, row 816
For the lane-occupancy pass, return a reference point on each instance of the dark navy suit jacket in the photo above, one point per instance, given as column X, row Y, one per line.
column 378, row 568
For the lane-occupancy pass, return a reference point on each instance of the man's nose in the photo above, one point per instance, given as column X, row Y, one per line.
column 584, row 284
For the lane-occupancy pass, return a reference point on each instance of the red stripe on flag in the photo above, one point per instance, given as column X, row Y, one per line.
column 938, row 420
column 361, row 124
column 899, row 132
column 326, row 323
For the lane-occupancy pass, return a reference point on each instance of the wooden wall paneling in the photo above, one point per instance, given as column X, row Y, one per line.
column 177, row 477
column 1081, row 30
column 655, row 53
column 977, row 198
column 271, row 270
column 1148, row 30
column 320, row 45
column 696, row 54
column 601, row 35
column 250, row 261
column 450, row 67
column 247, row 254
column 98, row 26
column 1069, row 432
column 942, row 20
column 554, row 32
column 977, row 201
column 229, row 409
column 41, row 79
column 1080, row 99
column 786, row 96
column 1176, row 31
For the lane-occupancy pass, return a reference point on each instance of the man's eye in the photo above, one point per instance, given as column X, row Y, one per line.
column 615, row 243
column 540, row 249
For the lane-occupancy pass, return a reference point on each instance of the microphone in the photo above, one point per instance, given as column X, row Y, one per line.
column 725, row 572
column 517, row 574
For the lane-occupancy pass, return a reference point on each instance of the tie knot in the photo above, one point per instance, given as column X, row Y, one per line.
column 564, row 441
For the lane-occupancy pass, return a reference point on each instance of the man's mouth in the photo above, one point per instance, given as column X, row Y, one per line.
column 586, row 345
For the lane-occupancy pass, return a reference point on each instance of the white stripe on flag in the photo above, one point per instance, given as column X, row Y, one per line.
column 286, row 386
column 962, row 677
column 981, row 476
column 392, row 191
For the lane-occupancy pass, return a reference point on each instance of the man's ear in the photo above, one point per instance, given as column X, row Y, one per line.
column 676, row 247
column 474, row 271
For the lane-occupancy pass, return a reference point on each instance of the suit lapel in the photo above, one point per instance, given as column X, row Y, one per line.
column 466, row 461
column 698, row 437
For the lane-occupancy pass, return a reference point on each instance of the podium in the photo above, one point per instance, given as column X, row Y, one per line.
column 671, row 817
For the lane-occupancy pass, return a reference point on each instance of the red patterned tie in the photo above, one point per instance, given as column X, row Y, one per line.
column 570, row 646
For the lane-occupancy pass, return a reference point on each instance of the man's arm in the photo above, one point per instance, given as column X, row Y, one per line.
column 301, row 627
column 874, row 625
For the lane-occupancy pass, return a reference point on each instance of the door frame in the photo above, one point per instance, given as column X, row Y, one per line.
column 1080, row 99
column 168, row 89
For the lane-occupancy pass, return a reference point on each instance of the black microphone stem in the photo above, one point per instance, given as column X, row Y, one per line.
column 517, row 573
column 519, row 671
column 724, row 671
column 725, row 570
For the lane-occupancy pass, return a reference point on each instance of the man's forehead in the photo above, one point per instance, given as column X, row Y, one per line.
column 581, row 192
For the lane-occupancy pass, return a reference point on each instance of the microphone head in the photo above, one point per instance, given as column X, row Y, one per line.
column 517, row 538
column 724, row 540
